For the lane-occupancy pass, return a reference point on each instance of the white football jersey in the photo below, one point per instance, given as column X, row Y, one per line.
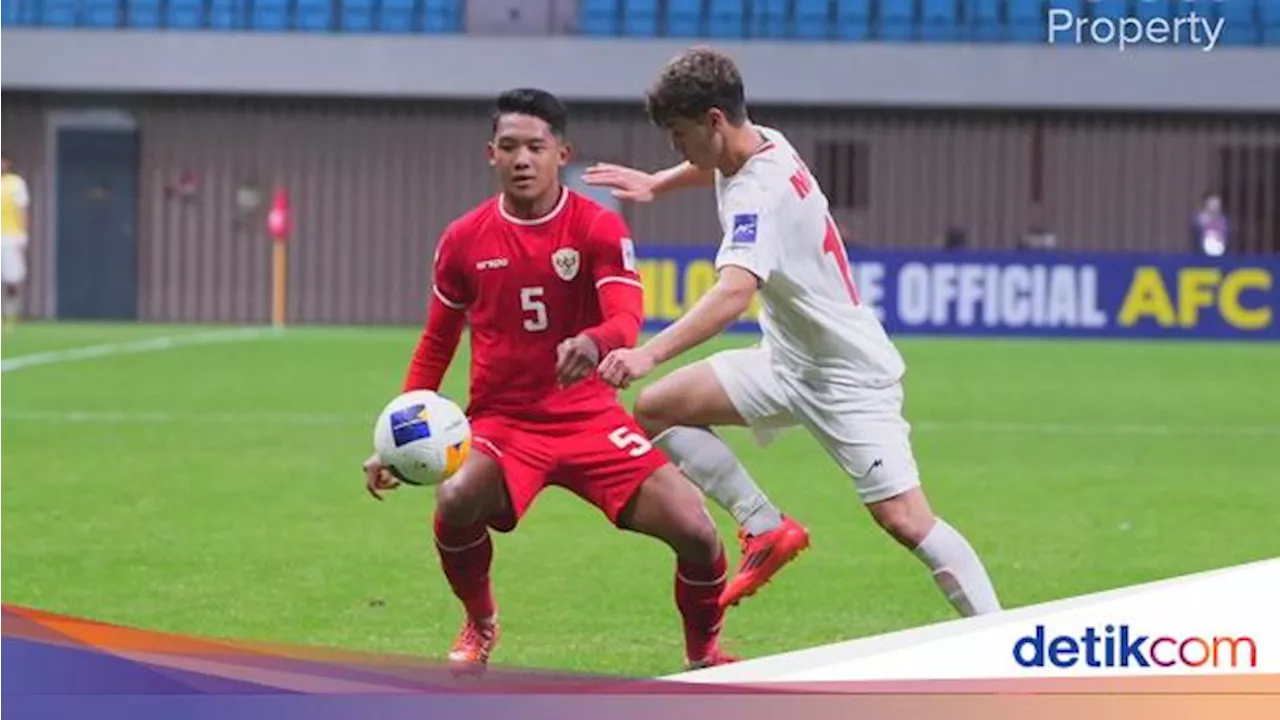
column 777, row 226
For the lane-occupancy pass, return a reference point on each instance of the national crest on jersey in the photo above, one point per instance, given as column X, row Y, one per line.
column 566, row 262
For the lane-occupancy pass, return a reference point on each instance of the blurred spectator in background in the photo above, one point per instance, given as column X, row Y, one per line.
column 955, row 239
column 1209, row 228
column 14, row 201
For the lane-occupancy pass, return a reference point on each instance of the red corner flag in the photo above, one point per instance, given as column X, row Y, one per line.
column 278, row 221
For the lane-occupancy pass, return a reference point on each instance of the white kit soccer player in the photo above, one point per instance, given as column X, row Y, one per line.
column 824, row 362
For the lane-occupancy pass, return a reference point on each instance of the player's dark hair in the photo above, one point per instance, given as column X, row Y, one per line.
column 535, row 103
column 693, row 83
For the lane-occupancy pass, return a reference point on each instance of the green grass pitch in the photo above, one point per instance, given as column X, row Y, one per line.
column 215, row 490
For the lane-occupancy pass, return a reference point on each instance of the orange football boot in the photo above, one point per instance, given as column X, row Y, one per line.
column 472, row 648
column 762, row 557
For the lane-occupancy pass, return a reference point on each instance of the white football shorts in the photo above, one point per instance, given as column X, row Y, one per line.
column 862, row 429
column 13, row 259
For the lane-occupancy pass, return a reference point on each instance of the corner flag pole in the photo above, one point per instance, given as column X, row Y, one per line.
column 279, row 225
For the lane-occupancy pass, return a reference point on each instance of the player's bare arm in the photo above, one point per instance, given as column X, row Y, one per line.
column 716, row 311
column 639, row 186
column 622, row 306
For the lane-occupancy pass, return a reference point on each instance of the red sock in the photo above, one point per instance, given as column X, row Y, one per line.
column 698, row 589
column 466, row 553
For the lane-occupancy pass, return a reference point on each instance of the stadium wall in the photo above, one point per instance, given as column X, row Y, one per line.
column 374, row 181
column 616, row 69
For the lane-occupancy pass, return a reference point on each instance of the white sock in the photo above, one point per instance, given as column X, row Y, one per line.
column 958, row 571
column 712, row 466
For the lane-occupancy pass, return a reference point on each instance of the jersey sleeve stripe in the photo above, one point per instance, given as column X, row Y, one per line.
column 739, row 264
column 615, row 279
column 447, row 301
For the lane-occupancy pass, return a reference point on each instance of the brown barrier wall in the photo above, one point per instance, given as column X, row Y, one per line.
column 373, row 183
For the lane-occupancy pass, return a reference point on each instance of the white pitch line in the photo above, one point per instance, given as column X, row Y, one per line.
column 144, row 417
column 992, row 426
column 53, row 357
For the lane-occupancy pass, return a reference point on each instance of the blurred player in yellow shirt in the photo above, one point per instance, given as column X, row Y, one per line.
column 14, row 201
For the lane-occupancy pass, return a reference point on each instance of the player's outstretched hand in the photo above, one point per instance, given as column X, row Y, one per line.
column 376, row 478
column 623, row 367
column 575, row 359
column 627, row 183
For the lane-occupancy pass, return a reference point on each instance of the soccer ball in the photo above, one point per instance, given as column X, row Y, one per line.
column 422, row 438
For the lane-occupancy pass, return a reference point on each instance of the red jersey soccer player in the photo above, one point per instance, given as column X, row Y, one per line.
column 547, row 279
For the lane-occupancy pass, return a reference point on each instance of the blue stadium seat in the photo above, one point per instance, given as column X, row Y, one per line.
column 1109, row 8
column 1269, row 16
column 940, row 20
column 853, row 19
column 984, row 20
column 1147, row 9
column 358, row 16
column 1026, row 21
column 897, row 19
column 314, row 15
column 398, row 17
column 55, row 13
column 269, row 16
column 769, row 19
column 598, row 17
column 725, row 19
column 812, row 19
column 640, row 19
column 144, row 14
column 684, row 18
column 9, row 12
column 443, row 16
column 227, row 14
column 99, row 14
column 1240, row 25
column 184, row 15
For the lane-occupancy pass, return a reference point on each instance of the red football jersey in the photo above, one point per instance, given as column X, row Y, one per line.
column 527, row 285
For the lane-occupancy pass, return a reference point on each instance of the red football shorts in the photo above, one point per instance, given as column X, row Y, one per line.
column 603, row 459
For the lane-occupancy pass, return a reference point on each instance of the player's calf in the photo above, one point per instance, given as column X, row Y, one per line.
column 463, row 505
column 956, row 567
column 670, row 509
column 906, row 517
column 676, row 411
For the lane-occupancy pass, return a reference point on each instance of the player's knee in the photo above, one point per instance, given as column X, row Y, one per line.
column 461, row 502
column 451, row 504
column 652, row 410
column 698, row 541
column 695, row 537
column 906, row 518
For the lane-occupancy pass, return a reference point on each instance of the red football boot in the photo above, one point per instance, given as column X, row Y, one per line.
column 472, row 648
column 713, row 658
column 762, row 557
